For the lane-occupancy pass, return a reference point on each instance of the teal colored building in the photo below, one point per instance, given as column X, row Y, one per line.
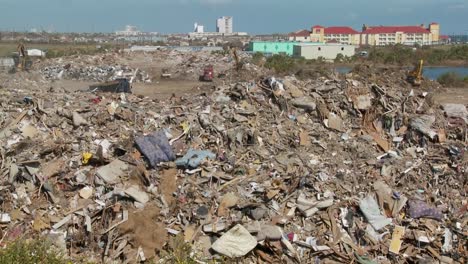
column 274, row 47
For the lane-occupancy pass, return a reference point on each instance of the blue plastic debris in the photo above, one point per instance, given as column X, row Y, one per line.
column 420, row 209
column 155, row 147
column 193, row 158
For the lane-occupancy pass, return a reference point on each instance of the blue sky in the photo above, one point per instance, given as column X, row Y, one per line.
column 253, row 16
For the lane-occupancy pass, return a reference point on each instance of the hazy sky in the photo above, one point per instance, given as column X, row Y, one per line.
column 253, row 16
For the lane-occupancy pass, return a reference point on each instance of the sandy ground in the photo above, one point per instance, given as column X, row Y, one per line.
column 452, row 95
column 162, row 89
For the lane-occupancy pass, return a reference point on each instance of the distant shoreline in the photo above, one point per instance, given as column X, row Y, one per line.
column 460, row 63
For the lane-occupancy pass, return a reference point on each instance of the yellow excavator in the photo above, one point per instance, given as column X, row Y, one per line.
column 22, row 54
column 415, row 76
column 236, row 59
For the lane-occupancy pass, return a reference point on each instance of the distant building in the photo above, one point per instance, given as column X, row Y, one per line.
column 273, row 47
column 224, row 24
column 407, row 35
column 444, row 39
column 205, row 35
column 129, row 31
column 301, row 35
column 345, row 35
column 36, row 53
column 327, row 51
column 198, row 28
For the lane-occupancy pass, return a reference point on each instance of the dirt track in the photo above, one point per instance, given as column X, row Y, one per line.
column 452, row 95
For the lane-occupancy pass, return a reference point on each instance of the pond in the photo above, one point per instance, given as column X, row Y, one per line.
column 430, row 72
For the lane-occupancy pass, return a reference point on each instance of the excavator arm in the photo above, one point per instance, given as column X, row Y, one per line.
column 22, row 53
column 236, row 58
column 415, row 76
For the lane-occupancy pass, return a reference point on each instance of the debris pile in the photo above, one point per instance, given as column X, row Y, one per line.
column 360, row 169
column 93, row 73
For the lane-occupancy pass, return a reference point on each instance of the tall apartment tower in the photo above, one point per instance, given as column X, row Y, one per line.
column 224, row 24
column 435, row 31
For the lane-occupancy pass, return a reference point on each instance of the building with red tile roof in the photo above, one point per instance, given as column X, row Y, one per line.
column 340, row 30
column 408, row 35
column 301, row 35
column 373, row 35
column 337, row 34
column 395, row 29
column 317, row 26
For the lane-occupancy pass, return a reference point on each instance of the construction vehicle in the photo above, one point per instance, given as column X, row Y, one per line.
column 165, row 74
column 22, row 53
column 236, row 59
column 119, row 85
column 208, row 74
column 415, row 76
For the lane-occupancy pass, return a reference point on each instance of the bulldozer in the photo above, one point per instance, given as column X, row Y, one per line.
column 415, row 76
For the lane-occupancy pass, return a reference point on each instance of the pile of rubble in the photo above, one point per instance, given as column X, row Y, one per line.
column 361, row 169
column 182, row 65
column 80, row 69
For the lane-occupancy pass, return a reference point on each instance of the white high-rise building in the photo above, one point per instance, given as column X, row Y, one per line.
column 224, row 25
column 198, row 28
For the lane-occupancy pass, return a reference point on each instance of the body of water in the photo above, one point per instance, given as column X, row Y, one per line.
column 429, row 72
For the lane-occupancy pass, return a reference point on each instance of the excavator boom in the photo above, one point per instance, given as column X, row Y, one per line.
column 236, row 58
column 415, row 76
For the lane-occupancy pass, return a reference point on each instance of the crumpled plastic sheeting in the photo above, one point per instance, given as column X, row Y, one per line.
column 371, row 210
column 420, row 209
column 155, row 147
column 193, row 158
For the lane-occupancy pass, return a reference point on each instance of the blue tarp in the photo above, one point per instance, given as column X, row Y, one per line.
column 155, row 147
column 193, row 158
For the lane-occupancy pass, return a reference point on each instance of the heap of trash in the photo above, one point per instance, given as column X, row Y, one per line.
column 273, row 170
column 96, row 68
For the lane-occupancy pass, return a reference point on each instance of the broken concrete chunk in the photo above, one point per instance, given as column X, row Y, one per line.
column 135, row 193
column 86, row 192
column 292, row 89
column 334, row 122
column 258, row 213
column 5, row 218
column 78, row 120
column 305, row 103
column 270, row 232
column 52, row 168
column 229, row 200
column 29, row 131
column 253, row 227
column 423, row 124
column 14, row 170
column 310, row 207
column 214, row 227
column 235, row 243
column 456, row 110
column 363, row 102
column 112, row 172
